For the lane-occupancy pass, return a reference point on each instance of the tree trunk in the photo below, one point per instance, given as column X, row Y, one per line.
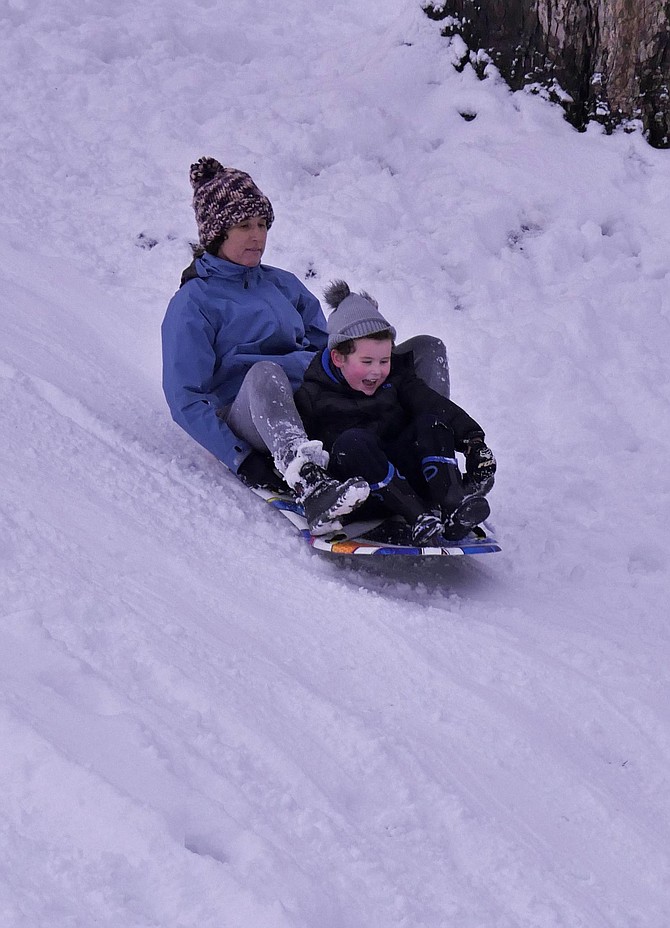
column 611, row 57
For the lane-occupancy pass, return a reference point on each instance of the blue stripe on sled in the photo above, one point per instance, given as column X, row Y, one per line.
column 287, row 505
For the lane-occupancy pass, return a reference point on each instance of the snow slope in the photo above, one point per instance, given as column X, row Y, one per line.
column 205, row 724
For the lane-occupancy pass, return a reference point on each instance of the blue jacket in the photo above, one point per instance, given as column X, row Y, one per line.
column 217, row 325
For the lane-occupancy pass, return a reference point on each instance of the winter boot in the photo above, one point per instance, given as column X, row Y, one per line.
column 325, row 500
column 396, row 494
column 462, row 505
column 427, row 531
column 470, row 512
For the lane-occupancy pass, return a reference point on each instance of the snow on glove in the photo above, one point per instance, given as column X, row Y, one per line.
column 258, row 470
column 480, row 465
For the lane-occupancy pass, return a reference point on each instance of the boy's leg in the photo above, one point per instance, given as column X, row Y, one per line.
column 430, row 361
column 427, row 450
column 431, row 444
column 358, row 451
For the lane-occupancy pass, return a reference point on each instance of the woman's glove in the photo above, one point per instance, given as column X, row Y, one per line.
column 480, row 465
column 258, row 470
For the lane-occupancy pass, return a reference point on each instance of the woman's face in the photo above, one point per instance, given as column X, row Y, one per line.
column 245, row 242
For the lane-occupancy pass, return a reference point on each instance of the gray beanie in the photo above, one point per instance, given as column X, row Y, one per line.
column 222, row 197
column 355, row 315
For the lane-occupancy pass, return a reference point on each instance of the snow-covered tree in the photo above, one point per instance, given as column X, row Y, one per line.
column 607, row 60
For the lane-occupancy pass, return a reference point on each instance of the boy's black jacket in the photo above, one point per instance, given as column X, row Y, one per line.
column 328, row 406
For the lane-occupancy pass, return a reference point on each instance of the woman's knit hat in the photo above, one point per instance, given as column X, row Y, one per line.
column 222, row 197
column 355, row 314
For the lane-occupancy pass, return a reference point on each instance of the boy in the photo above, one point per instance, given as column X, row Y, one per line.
column 383, row 423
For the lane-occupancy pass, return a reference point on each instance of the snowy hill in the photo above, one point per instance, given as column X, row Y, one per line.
column 205, row 724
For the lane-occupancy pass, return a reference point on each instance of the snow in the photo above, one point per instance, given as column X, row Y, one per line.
column 203, row 722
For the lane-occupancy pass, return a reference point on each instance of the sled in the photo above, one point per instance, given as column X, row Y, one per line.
column 385, row 537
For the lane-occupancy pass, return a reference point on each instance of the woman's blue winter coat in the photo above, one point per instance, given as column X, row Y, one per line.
column 217, row 325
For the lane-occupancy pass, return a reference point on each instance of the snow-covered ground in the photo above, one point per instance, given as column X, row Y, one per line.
column 205, row 724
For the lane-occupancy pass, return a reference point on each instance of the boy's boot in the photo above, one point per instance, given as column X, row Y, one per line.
column 398, row 496
column 470, row 512
column 323, row 499
column 428, row 531
column 460, row 510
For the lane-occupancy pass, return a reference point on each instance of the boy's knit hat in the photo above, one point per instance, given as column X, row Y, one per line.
column 355, row 314
column 222, row 197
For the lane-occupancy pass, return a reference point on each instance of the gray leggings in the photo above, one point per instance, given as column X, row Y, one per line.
column 264, row 413
column 430, row 361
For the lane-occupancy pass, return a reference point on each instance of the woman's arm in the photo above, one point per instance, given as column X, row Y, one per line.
column 189, row 362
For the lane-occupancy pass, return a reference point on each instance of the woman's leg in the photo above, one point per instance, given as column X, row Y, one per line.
column 264, row 414
column 430, row 361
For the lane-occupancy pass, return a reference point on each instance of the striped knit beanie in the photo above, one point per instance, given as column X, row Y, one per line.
column 222, row 197
column 355, row 315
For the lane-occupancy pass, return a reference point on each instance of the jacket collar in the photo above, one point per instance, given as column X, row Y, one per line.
column 333, row 373
column 210, row 266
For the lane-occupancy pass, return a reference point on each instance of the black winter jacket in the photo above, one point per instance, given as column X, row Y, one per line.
column 328, row 406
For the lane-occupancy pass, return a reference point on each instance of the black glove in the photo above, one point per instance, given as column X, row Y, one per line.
column 258, row 470
column 480, row 465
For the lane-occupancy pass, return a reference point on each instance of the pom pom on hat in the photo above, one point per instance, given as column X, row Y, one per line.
column 203, row 171
column 222, row 197
column 354, row 315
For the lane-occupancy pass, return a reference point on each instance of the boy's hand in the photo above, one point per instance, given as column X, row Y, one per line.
column 480, row 464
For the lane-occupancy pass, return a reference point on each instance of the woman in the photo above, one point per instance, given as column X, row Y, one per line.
column 237, row 338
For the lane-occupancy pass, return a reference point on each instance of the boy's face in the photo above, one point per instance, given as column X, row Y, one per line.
column 368, row 366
